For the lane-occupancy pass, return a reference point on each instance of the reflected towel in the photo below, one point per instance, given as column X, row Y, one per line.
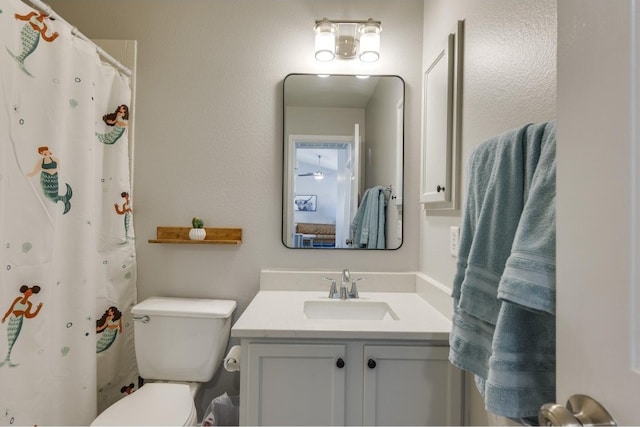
column 369, row 222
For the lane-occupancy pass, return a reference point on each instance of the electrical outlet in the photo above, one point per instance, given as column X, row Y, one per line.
column 454, row 238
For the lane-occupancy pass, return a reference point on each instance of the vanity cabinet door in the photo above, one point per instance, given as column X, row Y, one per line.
column 410, row 385
column 295, row 384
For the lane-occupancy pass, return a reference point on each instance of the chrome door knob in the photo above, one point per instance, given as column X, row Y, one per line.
column 580, row 410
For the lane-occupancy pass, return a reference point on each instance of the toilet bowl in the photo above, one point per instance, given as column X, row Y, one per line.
column 179, row 345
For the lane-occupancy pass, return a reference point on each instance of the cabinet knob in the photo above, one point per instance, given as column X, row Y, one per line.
column 439, row 188
column 340, row 363
column 371, row 363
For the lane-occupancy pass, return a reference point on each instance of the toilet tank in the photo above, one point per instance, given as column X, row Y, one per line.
column 181, row 339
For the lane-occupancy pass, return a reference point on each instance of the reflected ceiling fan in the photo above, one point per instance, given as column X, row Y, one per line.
column 317, row 174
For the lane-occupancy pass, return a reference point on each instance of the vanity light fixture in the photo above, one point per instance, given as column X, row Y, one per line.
column 347, row 39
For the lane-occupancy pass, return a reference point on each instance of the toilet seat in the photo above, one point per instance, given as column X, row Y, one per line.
column 152, row 404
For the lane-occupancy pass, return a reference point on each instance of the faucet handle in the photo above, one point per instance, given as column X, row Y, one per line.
column 353, row 293
column 333, row 291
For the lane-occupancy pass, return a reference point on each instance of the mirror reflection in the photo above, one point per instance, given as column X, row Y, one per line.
column 343, row 161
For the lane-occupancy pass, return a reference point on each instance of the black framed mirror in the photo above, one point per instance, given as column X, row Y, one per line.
column 343, row 161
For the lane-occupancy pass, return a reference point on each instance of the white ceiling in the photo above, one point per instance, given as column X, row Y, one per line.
column 334, row 91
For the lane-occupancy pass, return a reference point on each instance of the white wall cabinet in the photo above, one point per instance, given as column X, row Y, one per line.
column 336, row 382
column 441, row 122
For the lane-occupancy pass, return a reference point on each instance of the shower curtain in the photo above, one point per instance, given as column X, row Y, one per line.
column 67, row 254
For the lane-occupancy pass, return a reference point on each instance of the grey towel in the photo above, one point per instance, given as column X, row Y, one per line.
column 368, row 224
column 510, row 205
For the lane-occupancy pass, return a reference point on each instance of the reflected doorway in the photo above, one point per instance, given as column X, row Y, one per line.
column 325, row 190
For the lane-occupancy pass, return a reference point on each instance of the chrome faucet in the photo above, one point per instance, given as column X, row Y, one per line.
column 343, row 292
column 346, row 277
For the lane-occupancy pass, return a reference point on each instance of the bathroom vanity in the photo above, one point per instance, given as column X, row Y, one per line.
column 380, row 359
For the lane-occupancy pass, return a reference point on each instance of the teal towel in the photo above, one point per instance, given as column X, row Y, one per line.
column 494, row 201
column 529, row 278
column 502, row 171
column 369, row 222
column 504, row 200
column 522, row 364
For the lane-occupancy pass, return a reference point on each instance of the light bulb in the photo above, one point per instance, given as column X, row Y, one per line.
column 370, row 42
column 325, row 44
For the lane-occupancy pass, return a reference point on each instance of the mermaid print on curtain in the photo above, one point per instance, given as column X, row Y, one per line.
column 67, row 254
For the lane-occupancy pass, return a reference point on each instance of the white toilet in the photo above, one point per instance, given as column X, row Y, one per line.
column 180, row 343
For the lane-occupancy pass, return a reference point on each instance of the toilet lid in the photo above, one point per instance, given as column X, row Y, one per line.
column 157, row 404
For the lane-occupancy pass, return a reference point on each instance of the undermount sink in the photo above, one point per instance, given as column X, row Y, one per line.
column 348, row 310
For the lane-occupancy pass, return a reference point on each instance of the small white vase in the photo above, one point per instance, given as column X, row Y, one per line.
column 197, row 233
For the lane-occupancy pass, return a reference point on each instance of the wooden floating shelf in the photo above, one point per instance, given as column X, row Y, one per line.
column 215, row 236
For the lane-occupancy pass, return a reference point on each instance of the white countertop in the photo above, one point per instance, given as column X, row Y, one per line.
column 280, row 314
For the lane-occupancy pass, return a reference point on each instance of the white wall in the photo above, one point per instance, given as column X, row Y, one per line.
column 381, row 151
column 379, row 134
column 509, row 80
column 209, row 119
column 326, row 192
column 209, row 128
column 322, row 121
